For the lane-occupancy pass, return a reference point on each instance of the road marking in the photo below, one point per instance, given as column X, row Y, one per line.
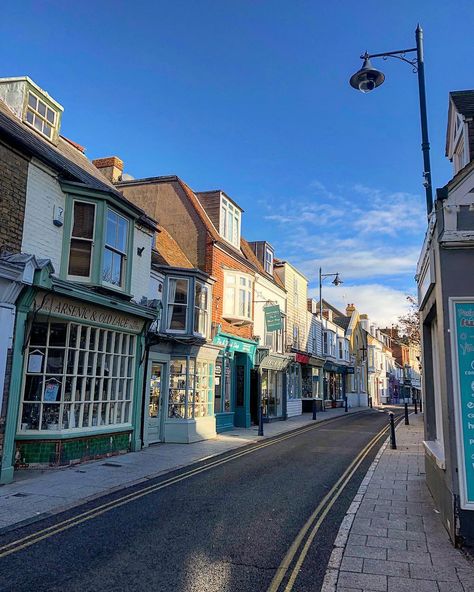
column 319, row 515
column 50, row 531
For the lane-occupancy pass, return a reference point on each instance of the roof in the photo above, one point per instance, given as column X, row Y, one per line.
column 168, row 251
column 64, row 157
column 250, row 255
column 463, row 101
column 342, row 322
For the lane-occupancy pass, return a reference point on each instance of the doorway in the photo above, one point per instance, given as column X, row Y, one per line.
column 155, row 402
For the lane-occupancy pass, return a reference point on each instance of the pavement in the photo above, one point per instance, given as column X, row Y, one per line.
column 36, row 494
column 225, row 525
column 392, row 539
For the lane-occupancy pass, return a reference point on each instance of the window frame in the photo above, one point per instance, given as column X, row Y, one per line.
column 197, row 309
column 115, row 250
column 268, row 262
column 81, row 278
column 226, row 208
column 187, row 305
column 43, row 118
column 237, row 287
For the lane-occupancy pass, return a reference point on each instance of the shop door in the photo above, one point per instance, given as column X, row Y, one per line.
column 155, row 403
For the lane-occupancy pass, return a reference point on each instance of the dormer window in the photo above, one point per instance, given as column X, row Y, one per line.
column 40, row 116
column 268, row 260
column 230, row 222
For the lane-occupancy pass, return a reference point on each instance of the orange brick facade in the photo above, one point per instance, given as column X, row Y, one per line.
column 216, row 260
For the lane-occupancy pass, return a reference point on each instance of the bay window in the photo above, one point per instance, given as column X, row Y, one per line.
column 115, row 249
column 238, row 296
column 201, row 309
column 177, row 304
column 76, row 377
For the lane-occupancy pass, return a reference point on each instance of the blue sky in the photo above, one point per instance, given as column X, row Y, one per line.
column 252, row 97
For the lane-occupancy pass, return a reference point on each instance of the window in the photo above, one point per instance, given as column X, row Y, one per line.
column 340, row 349
column 40, row 116
column 77, row 377
column 268, row 261
column 325, row 343
column 238, row 296
column 296, row 336
column 295, row 292
column 230, row 222
column 191, row 392
column 201, row 309
column 222, row 385
column 177, row 305
column 82, row 240
column 115, row 249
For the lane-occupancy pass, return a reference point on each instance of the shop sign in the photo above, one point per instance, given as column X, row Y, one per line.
column 272, row 318
column 234, row 345
column 462, row 349
column 50, row 304
column 349, row 369
column 302, row 359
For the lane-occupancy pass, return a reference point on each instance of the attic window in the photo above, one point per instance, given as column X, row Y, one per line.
column 269, row 261
column 230, row 222
column 41, row 117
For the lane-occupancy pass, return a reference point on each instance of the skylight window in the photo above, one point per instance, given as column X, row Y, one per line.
column 41, row 117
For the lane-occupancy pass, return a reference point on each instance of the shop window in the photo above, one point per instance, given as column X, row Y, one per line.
column 82, row 240
column 191, row 391
column 222, row 390
column 115, row 249
column 238, row 296
column 77, row 377
column 294, row 381
column 177, row 304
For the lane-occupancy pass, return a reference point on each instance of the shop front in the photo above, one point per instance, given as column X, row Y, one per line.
column 273, row 381
column 76, row 378
column 334, row 384
column 293, row 389
column 180, row 403
column 232, row 381
column 311, row 378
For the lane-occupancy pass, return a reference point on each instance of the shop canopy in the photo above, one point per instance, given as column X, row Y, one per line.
column 275, row 362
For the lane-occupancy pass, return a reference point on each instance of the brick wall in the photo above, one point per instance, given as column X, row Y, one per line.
column 216, row 260
column 13, row 180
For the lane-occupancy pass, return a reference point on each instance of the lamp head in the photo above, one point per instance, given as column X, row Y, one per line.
column 337, row 280
column 367, row 78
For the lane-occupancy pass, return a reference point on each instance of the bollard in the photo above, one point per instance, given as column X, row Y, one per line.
column 407, row 421
column 416, row 407
column 345, row 404
column 314, row 409
column 421, row 406
column 260, row 421
column 393, row 442
column 370, row 402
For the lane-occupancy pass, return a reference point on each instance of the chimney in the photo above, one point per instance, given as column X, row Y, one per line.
column 111, row 167
column 350, row 308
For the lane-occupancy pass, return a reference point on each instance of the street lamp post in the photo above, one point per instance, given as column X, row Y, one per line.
column 337, row 282
column 368, row 78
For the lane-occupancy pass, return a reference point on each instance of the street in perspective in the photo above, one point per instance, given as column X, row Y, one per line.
column 236, row 320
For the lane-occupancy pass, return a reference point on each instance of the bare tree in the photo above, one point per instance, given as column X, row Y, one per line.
column 408, row 325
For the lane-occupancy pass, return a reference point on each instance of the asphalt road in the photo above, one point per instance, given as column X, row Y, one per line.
column 223, row 529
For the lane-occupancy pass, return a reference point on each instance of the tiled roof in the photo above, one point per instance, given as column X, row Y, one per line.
column 168, row 251
column 342, row 322
column 463, row 101
column 64, row 157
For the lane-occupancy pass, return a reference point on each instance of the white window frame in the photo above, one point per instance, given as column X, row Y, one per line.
column 268, row 260
column 198, row 309
column 170, row 304
column 228, row 209
column 42, row 118
column 116, row 251
column 81, row 278
column 236, row 286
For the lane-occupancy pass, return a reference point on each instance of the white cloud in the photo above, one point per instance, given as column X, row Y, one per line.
column 382, row 303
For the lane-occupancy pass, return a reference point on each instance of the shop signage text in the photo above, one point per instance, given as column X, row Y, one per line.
column 77, row 310
column 463, row 341
column 272, row 318
column 235, row 345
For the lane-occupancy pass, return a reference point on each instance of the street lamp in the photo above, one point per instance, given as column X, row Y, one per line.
column 337, row 282
column 368, row 78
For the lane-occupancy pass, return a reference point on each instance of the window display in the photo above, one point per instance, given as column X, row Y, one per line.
column 191, row 389
column 223, row 385
column 77, row 376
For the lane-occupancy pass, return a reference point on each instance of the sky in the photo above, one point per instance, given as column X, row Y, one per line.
column 252, row 97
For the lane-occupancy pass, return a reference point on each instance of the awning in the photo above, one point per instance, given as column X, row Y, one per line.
column 275, row 362
column 331, row 367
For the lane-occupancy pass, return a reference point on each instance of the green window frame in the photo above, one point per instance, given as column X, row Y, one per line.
column 100, row 244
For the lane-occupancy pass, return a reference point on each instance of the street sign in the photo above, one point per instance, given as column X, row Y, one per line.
column 272, row 318
column 462, row 349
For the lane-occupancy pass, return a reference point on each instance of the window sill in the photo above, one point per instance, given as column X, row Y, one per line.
column 237, row 321
column 73, row 433
column 434, row 450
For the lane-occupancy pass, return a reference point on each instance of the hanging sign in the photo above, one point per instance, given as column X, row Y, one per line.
column 272, row 318
column 462, row 348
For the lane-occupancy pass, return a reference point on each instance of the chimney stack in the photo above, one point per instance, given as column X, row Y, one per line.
column 111, row 167
column 350, row 308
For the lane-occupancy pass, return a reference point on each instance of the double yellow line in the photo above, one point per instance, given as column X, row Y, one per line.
column 314, row 522
column 36, row 537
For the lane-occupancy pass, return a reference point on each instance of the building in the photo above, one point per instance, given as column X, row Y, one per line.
column 78, row 254
column 446, row 300
column 207, row 228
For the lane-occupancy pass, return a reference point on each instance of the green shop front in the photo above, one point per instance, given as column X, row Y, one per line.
column 77, row 377
column 233, row 375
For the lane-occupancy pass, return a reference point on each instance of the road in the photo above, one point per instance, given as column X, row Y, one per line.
column 221, row 525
